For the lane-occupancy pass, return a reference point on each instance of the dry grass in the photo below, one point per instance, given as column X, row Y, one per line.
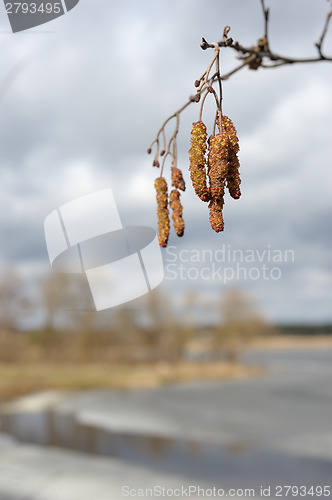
column 25, row 378
column 271, row 342
column 22, row 372
column 293, row 342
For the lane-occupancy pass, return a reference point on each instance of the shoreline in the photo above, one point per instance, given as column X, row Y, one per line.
column 28, row 377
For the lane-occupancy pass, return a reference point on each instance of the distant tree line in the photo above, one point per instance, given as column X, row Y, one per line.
column 150, row 330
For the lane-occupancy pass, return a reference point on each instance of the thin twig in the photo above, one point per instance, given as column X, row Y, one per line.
column 266, row 24
column 254, row 57
column 223, row 43
column 171, row 142
column 207, row 72
column 162, row 128
column 325, row 28
column 202, row 104
column 235, row 70
column 218, row 76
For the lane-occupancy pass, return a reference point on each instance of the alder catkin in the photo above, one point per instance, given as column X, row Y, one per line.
column 233, row 176
column 230, row 130
column 175, row 204
column 162, row 211
column 217, row 164
column 197, row 161
column 216, row 218
column 177, row 179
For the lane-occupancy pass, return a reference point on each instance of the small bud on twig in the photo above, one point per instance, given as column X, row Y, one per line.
column 227, row 29
column 204, row 44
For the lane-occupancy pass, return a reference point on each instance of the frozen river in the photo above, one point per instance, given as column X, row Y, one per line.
column 267, row 432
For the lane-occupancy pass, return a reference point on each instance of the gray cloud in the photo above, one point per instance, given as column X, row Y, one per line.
column 81, row 113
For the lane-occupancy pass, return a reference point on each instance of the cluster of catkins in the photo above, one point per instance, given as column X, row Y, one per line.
column 173, row 201
column 210, row 175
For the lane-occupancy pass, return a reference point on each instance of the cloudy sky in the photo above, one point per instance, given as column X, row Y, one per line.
column 83, row 96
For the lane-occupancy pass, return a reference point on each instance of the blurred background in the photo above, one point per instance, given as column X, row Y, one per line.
column 222, row 375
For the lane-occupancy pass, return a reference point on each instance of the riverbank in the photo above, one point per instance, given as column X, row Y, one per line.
column 21, row 378
column 24, row 378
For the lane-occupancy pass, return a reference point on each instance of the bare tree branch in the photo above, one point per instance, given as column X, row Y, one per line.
column 325, row 28
column 254, row 57
column 266, row 13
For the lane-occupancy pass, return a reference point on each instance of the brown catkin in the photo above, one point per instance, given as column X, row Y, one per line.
column 197, row 161
column 230, row 130
column 217, row 164
column 175, row 204
column 177, row 179
column 233, row 176
column 216, row 218
column 162, row 211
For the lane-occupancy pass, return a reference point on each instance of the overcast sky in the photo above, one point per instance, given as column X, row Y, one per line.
column 85, row 95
